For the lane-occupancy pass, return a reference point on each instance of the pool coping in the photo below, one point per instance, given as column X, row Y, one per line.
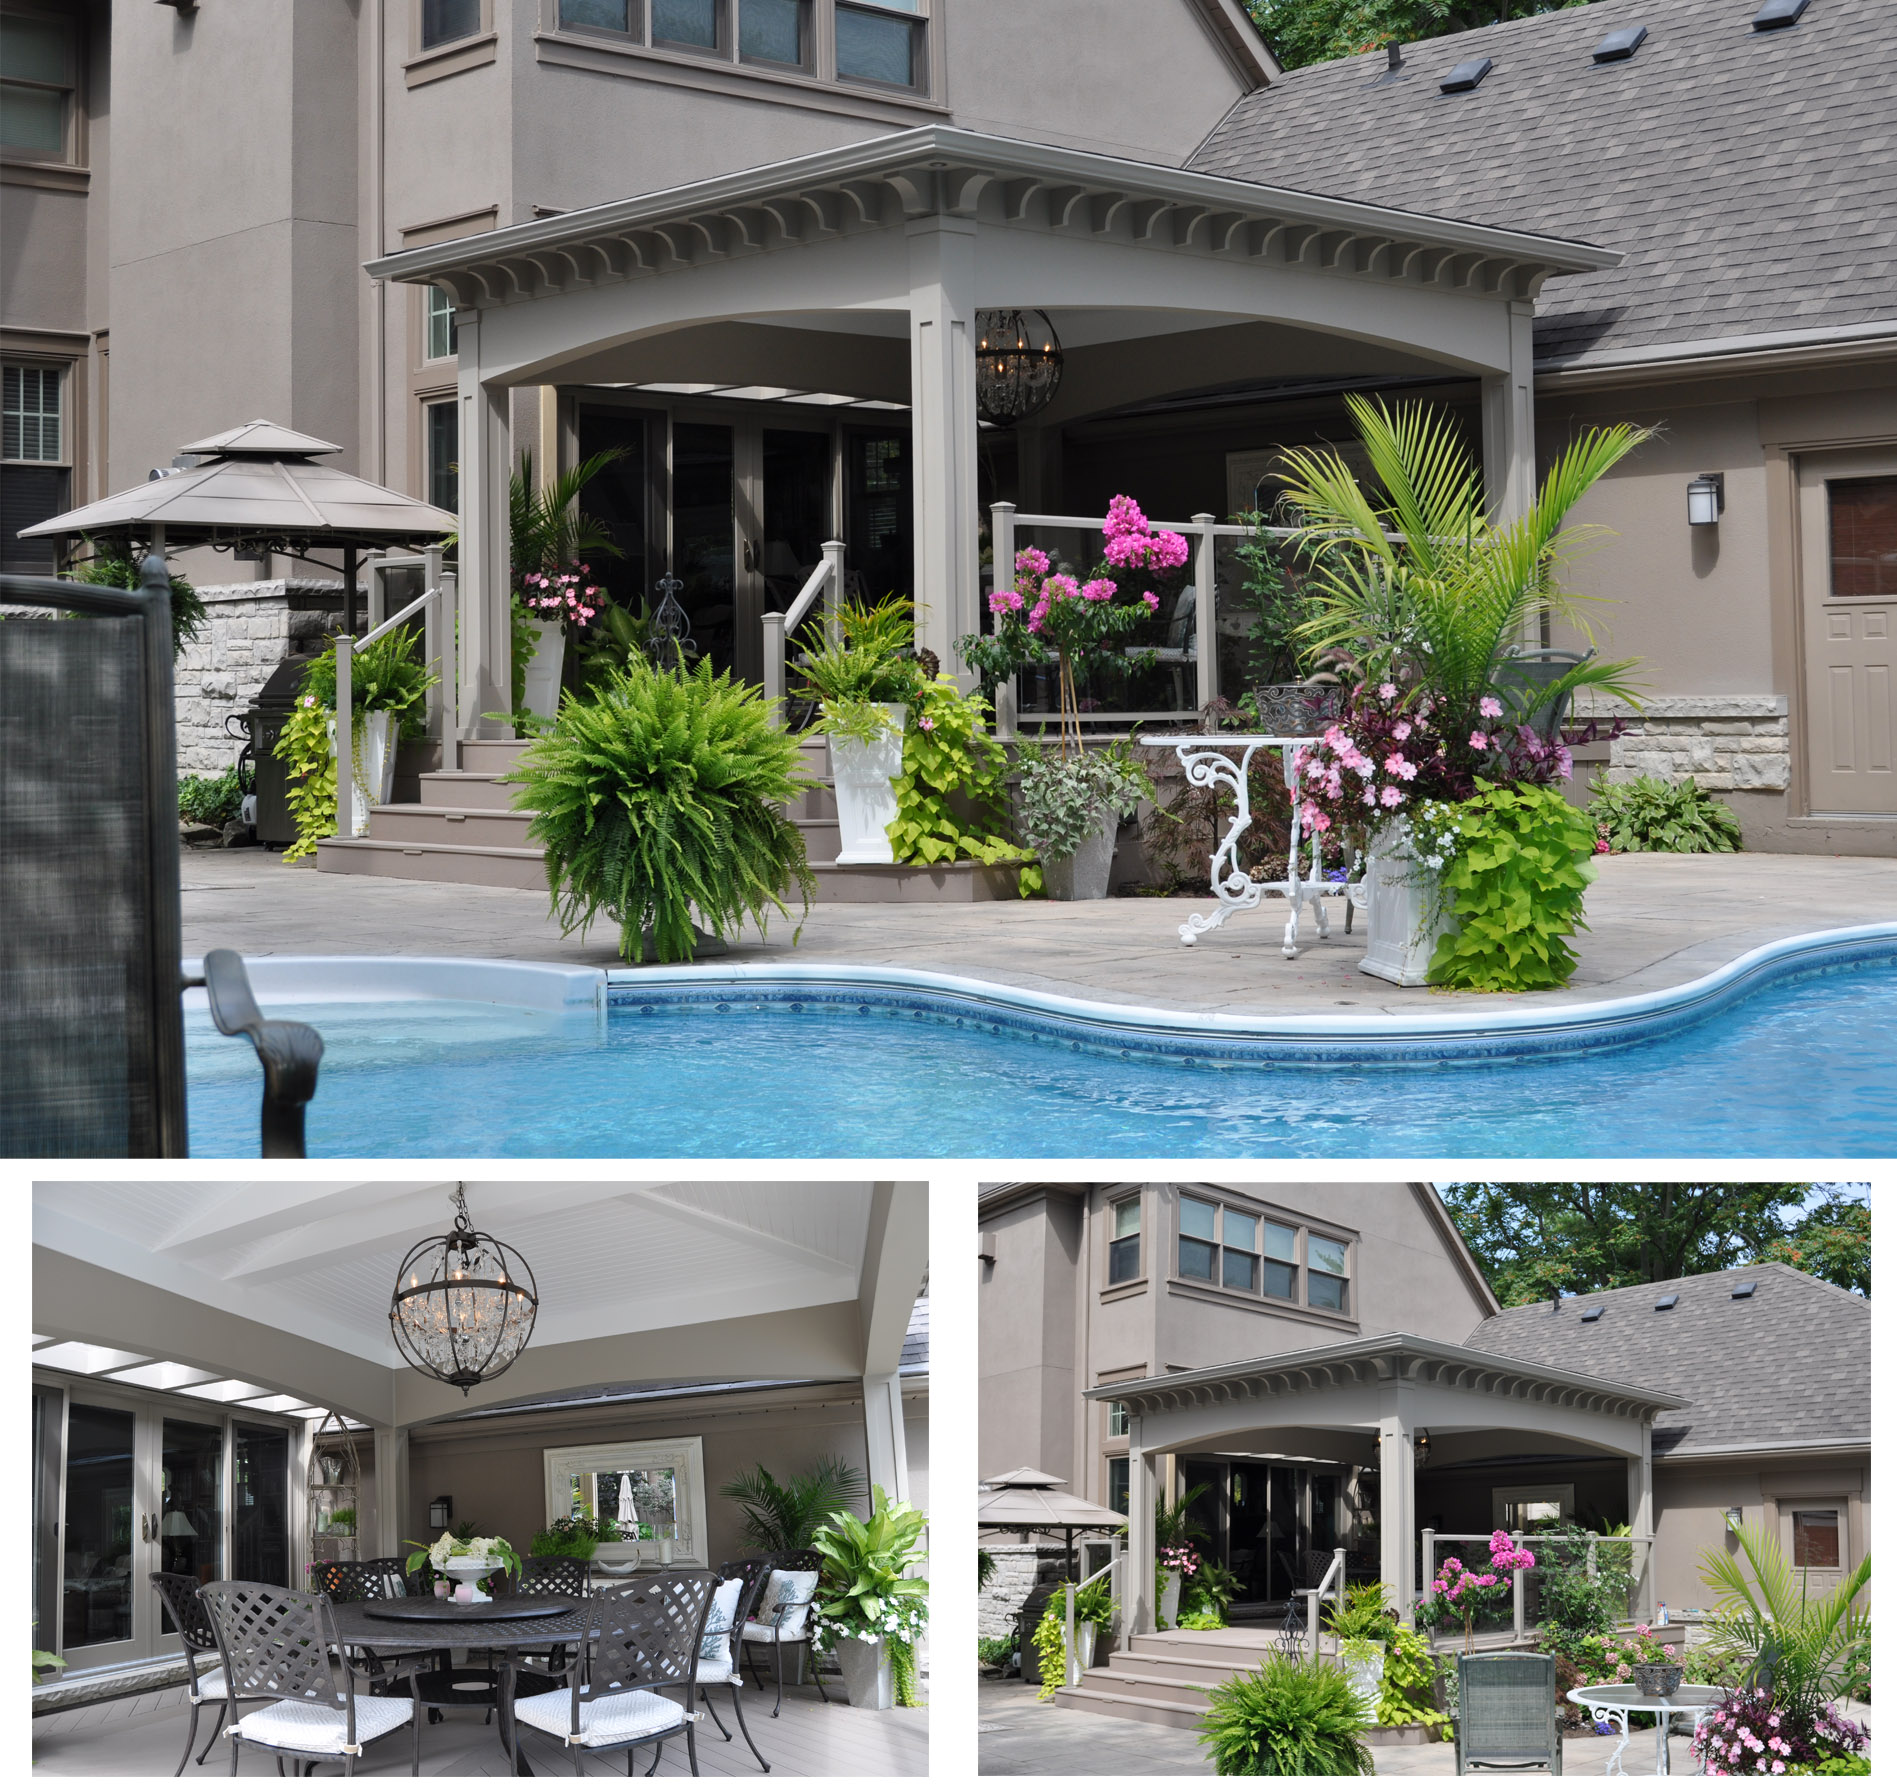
column 842, row 988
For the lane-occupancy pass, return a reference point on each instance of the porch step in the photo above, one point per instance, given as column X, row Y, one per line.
column 481, row 866
column 466, row 789
column 1112, row 1702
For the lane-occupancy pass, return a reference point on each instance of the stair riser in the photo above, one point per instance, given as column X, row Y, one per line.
column 444, row 789
column 364, row 857
column 1135, row 1690
column 407, row 826
column 1128, row 1711
column 493, row 757
column 1201, row 1659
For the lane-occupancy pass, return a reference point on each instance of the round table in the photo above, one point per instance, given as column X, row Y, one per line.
column 377, row 1625
column 1618, row 1700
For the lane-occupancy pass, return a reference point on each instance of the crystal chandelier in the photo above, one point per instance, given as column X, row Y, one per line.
column 464, row 1305
column 1018, row 364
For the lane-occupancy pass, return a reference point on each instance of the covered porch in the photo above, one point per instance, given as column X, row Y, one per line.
column 1419, row 1439
column 815, row 294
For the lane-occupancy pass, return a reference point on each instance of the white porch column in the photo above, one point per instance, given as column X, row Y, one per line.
column 484, row 570
column 1142, row 1494
column 1508, row 420
column 882, row 1425
column 942, row 431
column 391, row 1492
column 1640, row 1517
column 1396, row 1490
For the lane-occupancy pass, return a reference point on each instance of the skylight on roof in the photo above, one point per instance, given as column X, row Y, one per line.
column 1617, row 46
column 1466, row 76
column 1775, row 15
column 165, row 1375
column 1593, row 1313
column 1745, row 1288
column 83, row 1357
column 1666, row 1303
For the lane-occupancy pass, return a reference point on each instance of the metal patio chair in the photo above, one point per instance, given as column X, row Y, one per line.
column 722, row 1641
column 1507, row 1715
column 368, row 1581
column 783, row 1620
column 179, row 1593
column 281, row 1646
column 642, row 1637
column 548, row 1575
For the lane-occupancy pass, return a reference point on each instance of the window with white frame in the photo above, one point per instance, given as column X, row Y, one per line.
column 447, row 21
column 38, row 75
column 1241, row 1251
column 1123, row 1244
column 654, row 1490
column 31, row 414
column 1327, row 1272
column 438, row 336
column 1116, row 1420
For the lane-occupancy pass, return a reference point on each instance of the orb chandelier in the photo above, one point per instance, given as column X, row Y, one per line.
column 1018, row 364
column 464, row 1305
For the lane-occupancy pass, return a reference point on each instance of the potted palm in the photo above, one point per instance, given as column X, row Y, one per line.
column 782, row 1515
column 869, row 1610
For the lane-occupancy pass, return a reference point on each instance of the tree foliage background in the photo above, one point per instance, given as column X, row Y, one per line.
column 1305, row 31
column 1534, row 1240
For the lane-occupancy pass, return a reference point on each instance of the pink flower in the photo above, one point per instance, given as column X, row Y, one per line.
column 1392, row 797
column 927, row 725
column 1059, row 588
column 1479, row 741
column 1563, row 761
column 1005, row 602
column 1398, row 765
column 1032, row 561
column 1149, row 599
column 1388, row 692
column 1099, row 590
column 1490, row 708
column 1037, row 615
column 1400, row 732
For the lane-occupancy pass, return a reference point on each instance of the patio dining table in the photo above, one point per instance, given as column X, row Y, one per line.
column 1224, row 760
column 1618, row 1700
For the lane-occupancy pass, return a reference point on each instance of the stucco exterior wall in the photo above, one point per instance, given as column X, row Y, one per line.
column 1026, row 1344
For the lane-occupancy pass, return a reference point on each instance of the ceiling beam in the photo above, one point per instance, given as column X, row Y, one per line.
column 735, row 1229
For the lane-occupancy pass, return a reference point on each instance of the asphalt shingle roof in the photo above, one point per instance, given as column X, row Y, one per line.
column 1748, row 176
column 1790, row 1364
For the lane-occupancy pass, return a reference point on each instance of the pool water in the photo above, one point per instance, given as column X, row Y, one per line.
column 1802, row 1068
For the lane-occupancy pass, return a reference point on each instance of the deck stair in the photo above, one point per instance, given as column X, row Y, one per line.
column 465, row 829
column 1163, row 1678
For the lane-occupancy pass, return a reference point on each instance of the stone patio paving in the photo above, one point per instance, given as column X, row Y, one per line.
column 1655, row 921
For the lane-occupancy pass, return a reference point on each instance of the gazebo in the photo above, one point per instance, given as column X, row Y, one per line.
column 1027, row 1501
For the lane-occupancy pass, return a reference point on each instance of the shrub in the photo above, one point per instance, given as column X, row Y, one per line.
column 946, row 753
column 210, row 800
column 1647, row 813
column 111, row 567
column 1409, row 1682
column 1289, row 1718
column 388, row 674
column 997, row 1650
column 1064, row 800
column 656, row 800
column 1517, row 881
column 574, row 1537
column 866, row 1591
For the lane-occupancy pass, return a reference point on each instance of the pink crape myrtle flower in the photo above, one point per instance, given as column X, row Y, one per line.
column 1032, row 561
column 1099, row 590
column 1149, row 599
column 1006, row 602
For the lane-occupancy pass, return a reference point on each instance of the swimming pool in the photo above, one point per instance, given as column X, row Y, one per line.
column 1785, row 1053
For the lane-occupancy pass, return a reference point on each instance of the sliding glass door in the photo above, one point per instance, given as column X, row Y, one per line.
column 102, row 1554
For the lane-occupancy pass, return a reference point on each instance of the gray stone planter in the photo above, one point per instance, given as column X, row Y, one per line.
column 869, row 1678
column 1088, row 874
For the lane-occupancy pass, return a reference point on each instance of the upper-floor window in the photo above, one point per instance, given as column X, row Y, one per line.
column 1329, row 1272
column 438, row 341
column 31, row 416
column 1116, row 1420
column 441, row 453
column 1123, row 1248
column 1241, row 1251
column 443, row 21
column 38, row 71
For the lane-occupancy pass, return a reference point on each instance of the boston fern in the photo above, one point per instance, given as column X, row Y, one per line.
column 656, row 800
column 1289, row 1718
column 1646, row 813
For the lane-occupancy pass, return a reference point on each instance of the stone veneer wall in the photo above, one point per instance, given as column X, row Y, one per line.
column 1728, row 744
column 1017, row 1570
column 249, row 630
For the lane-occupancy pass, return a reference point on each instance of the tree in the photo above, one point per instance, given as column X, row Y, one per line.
column 1305, row 31
column 1536, row 1240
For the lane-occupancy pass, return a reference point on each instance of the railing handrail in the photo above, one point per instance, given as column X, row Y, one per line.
column 1224, row 530
column 779, row 625
column 358, row 642
column 807, row 597
column 1073, row 1667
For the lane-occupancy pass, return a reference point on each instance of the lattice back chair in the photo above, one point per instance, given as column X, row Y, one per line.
column 718, row 1653
column 1507, row 1713
column 642, row 1637
column 555, row 1576
column 370, row 1581
column 782, row 1618
column 282, row 1645
column 179, row 1593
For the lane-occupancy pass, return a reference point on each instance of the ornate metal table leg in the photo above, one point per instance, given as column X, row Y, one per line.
column 1614, row 1766
column 1208, row 767
column 1292, row 892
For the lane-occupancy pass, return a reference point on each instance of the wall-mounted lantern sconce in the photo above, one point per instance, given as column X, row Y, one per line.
column 1422, row 1447
column 1705, row 498
column 1734, row 1516
column 441, row 1512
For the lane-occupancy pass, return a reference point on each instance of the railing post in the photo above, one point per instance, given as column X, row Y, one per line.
column 1310, row 1621
column 432, row 632
column 1428, row 1562
column 449, row 610
column 1001, row 545
column 345, row 742
column 1521, row 1594
column 774, row 662
column 1337, row 1595
column 1207, row 621
column 833, row 591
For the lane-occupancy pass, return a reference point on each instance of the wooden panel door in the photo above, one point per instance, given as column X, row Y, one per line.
column 1815, row 1535
column 1848, row 573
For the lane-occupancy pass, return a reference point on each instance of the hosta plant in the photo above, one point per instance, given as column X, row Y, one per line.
column 657, row 802
column 866, row 1592
column 1289, row 1718
column 1646, row 813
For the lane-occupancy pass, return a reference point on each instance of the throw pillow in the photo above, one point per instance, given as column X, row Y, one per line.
column 715, row 1648
column 785, row 1605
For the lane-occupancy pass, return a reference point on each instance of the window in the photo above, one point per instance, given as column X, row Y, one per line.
column 1119, row 1479
column 1815, row 1539
column 443, row 21
column 1123, row 1251
column 1240, row 1260
column 31, row 411
column 597, row 15
column 36, row 484
column 878, row 44
column 442, row 446
column 1281, row 1261
column 774, row 31
column 687, row 24
column 1329, row 1273
column 660, row 1485
column 37, row 63
column 438, row 336
column 1116, row 1420
column 1863, row 536
column 1198, row 1253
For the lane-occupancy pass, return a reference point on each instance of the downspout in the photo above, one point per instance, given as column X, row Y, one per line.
column 378, row 220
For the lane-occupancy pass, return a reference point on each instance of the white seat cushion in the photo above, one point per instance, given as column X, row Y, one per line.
column 604, row 1720
column 715, row 1648
column 317, row 1727
column 719, row 1671
column 211, row 1687
column 784, row 1588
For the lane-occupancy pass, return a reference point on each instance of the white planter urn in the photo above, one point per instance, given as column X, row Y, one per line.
column 1168, row 1599
column 1409, row 912
column 1365, row 1671
column 375, row 743
column 869, row 1676
column 541, row 692
column 1086, row 1645
column 465, row 1569
column 866, row 773
column 1088, row 874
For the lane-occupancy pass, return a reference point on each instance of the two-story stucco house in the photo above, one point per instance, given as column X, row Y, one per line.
column 1330, row 1365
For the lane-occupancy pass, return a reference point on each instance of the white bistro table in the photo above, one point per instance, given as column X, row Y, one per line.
column 1223, row 761
column 1617, row 1700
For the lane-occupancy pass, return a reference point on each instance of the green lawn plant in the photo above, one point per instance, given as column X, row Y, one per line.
column 866, row 1591
column 949, row 758
column 783, row 1515
column 210, row 800
column 1647, row 813
column 1515, row 885
column 658, row 802
column 1289, row 1718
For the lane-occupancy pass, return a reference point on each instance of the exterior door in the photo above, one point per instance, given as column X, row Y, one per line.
column 1848, row 574
column 104, row 1536
column 1814, row 1541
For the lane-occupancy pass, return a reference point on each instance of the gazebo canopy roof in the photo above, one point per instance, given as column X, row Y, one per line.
column 260, row 487
column 1029, row 1500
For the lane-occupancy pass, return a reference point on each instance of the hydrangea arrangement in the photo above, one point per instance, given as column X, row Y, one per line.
column 1748, row 1735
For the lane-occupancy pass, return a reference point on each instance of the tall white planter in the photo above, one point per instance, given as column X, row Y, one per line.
column 1088, row 874
column 1364, row 1667
column 866, row 772
column 869, row 1676
column 374, row 754
column 541, row 693
column 1408, row 910
column 1168, row 1599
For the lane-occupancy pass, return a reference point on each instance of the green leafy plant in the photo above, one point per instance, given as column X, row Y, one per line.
column 1050, row 1648
column 387, row 675
column 1289, row 1718
column 871, row 659
column 1409, row 1682
column 994, row 1650
column 1647, row 813
column 782, row 1517
column 46, row 1661
column 1274, row 652
column 658, row 799
column 1516, row 883
column 210, row 800
column 1064, row 800
column 546, row 526
column 341, row 1521
column 574, row 1537
column 948, row 757
column 113, row 568
column 985, row 1567
column 866, row 1592
column 1212, row 1590
column 303, row 748
column 1202, row 1620
column 456, row 1545
column 856, row 718
column 1857, row 1766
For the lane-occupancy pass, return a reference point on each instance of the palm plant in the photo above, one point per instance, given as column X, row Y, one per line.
column 1425, row 586
column 547, row 530
column 1804, row 1650
column 784, row 1517
column 1289, row 1718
